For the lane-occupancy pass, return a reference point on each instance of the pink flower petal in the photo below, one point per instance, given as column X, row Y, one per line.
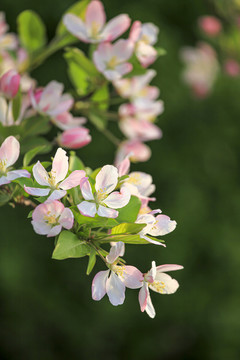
column 164, row 225
column 115, row 290
column 132, row 277
column 123, row 49
column 72, row 180
column 124, row 166
column 56, row 195
column 116, row 250
column 15, row 174
column 142, row 296
column 95, row 16
column 76, row 26
column 106, row 212
column 99, row 285
column 169, row 267
column 60, row 165
column 107, row 179
column 36, row 191
column 54, row 231
column 66, row 219
column 123, row 69
column 87, row 209
column 86, row 189
column 40, row 174
column 116, row 27
column 118, row 199
column 9, row 150
column 65, row 103
column 165, row 284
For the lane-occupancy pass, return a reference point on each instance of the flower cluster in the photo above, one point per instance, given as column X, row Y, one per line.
column 218, row 52
column 91, row 213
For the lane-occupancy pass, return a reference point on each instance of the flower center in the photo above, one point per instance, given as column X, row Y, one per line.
column 159, row 286
column 3, row 167
column 101, row 195
column 95, row 30
column 134, row 179
column 52, row 179
column 145, row 39
column 51, row 219
column 112, row 63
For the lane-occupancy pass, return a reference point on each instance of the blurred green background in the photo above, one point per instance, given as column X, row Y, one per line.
column 46, row 306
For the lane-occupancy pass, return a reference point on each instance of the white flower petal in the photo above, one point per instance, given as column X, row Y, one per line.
column 56, row 195
column 118, row 199
column 10, row 150
column 60, row 165
column 99, row 285
column 86, row 189
column 115, row 290
column 116, row 250
column 87, row 208
column 106, row 212
column 36, row 191
column 54, row 231
column 107, row 179
column 40, row 174
column 72, row 180
column 164, row 284
column 66, row 219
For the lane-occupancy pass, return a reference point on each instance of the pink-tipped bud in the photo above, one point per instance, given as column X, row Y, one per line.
column 74, row 138
column 232, row 67
column 9, row 83
column 210, row 25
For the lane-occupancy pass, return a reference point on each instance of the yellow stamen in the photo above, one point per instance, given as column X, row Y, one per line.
column 3, row 166
column 112, row 62
column 159, row 286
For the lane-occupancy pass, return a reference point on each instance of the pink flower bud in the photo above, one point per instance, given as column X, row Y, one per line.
column 232, row 67
column 9, row 83
column 74, row 138
column 210, row 25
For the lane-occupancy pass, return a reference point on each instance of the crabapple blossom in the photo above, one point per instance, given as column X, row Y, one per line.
column 94, row 29
column 74, row 138
column 49, row 218
column 9, row 84
column 201, row 68
column 8, row 41
column 137, row 87
column 120, row 277
column 138, row 183
column 66, row 121
column 50, row 101
column 156, row 280
column 56, row 181
column 142, row 109
column 144, row 36
column 6, row 113
column 210, row 25
column 111, row 59
column 156, row 226
column 104, row 200
column 9, row 153
column 232, row 67
column 138, row 151
column 141, row 130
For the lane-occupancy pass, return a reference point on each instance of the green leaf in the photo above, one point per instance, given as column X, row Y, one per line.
column 75, row 163
column 24, row 181
column 6, row 131
column 97, row 221
column 91, row 261
column 32, row 142
column 32, row 153
column 129, row 212
column 100, row 98
column 128, row 239
column 78, row 9
column 5, row 197
column 30, row 214
column 94, row 173
column 16, row 105
column 127, row 228
column 78, row 57
column 98, row 121
column 69, row 246
column 35, row 125
column 160, row 51
column 31, row 30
